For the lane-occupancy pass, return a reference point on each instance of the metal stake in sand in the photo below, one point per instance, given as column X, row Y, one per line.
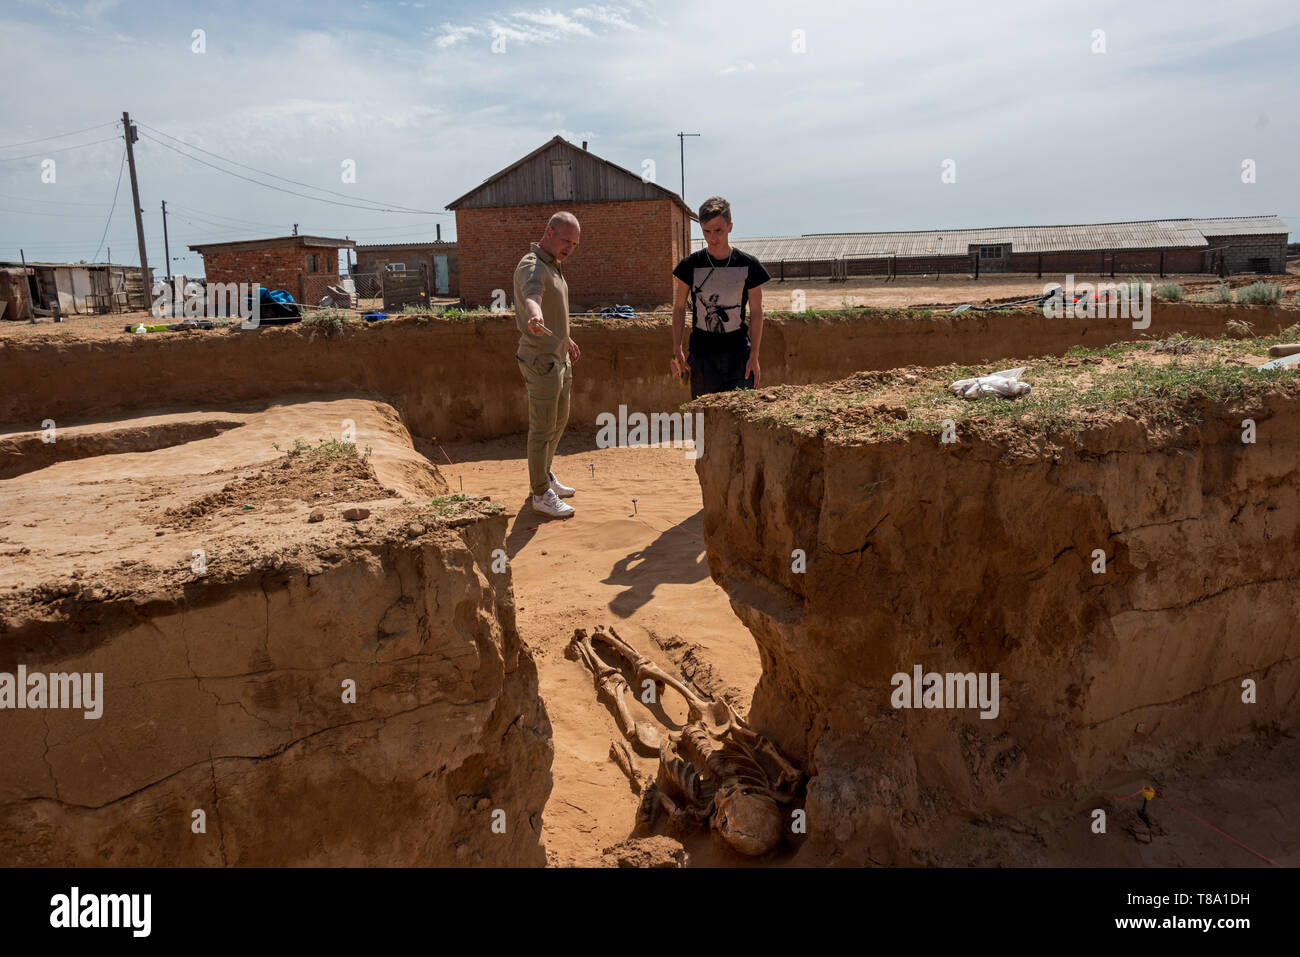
column 462, row 482
column 592, row 466
column 633, row 506
column 1148, row 793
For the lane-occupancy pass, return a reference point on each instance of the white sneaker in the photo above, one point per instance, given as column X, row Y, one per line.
column 550, row 504
column 558, row 487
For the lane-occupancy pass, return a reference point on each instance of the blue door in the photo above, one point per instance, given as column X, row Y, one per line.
column 441, row 280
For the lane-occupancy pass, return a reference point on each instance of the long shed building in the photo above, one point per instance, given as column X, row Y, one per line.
column 1232, row 244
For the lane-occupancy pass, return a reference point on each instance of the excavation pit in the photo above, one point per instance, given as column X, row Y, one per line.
column 223, row 690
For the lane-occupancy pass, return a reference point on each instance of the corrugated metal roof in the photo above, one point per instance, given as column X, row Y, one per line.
column 431, row 244
column 1242, row 225
column 1150, row 234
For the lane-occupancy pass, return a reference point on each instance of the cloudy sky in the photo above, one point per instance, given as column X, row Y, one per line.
column 815, row 116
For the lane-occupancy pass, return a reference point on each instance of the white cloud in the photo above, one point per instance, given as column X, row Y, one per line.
column 543, row 25
column 451, row 35
column 613, row 16
column 554, row 25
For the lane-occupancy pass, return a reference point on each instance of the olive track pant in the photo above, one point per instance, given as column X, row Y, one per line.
column 548, row 381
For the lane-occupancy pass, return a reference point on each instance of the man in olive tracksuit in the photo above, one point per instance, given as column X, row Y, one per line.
column 545, row 356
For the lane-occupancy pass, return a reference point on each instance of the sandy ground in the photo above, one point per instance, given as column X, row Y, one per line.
column 645, row 574
column 642, row 571
column 818, row 294
column 100, row 515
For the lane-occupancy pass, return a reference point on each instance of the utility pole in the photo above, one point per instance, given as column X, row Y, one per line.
column 681, row 139
column 167, row 254
column 129, row 132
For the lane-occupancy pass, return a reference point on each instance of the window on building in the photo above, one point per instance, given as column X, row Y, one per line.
column 311, row 262
column 396, row 267
column 990, row 252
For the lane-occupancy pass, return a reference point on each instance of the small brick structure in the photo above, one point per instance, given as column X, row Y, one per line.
column 439, row 260
column 633, row 231
column 283, row 262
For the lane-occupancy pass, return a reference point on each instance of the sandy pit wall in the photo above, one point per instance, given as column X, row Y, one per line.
column 225, row 694
column 459, row 380
column 978, row 556
column 325, row 692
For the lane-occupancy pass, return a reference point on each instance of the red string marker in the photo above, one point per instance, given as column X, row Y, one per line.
column 1149, row 792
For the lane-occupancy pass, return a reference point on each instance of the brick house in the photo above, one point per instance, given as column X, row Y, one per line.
column 439, row 260
column 291, row 263
column 633, row 232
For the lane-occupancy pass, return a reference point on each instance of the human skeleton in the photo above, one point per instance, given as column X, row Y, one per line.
column 714, row 771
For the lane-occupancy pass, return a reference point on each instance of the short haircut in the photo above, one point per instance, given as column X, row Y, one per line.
column 560, row 218
column 715, row 206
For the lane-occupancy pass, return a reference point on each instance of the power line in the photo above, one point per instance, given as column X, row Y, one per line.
column 295, row 182
column 56, row 202
column 183, row 213
column 58, row 136
column 113, row 207
column 29, row 212
column 380, row 208
column 221, row 216
column 62, row 149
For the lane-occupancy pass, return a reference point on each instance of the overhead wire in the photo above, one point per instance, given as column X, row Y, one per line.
column 375, row 207
column 59, row 136
column 62, row 149
column 332, row 192
column 113, row 207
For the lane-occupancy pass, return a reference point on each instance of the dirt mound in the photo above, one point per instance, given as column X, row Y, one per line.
column 320, row 475
column 653, row 852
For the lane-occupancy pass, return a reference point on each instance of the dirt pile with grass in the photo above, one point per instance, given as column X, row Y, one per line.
column 1119, row 546
column 330, row 470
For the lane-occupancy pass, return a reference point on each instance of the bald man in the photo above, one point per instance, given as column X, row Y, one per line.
column 545, row 356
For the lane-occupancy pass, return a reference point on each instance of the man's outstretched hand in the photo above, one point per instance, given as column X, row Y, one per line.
column 752, row 367
column 574, row 352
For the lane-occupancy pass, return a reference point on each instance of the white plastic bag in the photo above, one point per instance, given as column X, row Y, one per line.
column 1005, row 383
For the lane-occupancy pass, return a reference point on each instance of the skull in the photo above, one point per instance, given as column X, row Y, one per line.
column 749, row 821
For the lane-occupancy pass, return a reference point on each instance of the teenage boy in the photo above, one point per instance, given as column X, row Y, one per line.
column 720, row 282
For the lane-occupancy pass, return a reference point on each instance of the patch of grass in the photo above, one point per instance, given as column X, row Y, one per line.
column 325, row 450
column 1098, row 352
column 1261, row 293
column 418, row 309
column 328, row 321
column 1170, row 290
column 457, row 314
column 1178, row 344
column 1221, row 293
column 445, row 505
column 1167, row 393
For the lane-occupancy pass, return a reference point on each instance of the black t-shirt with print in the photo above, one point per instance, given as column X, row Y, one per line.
column 719, row 297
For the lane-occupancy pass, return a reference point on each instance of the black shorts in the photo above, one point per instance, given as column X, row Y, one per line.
column 719, row 372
